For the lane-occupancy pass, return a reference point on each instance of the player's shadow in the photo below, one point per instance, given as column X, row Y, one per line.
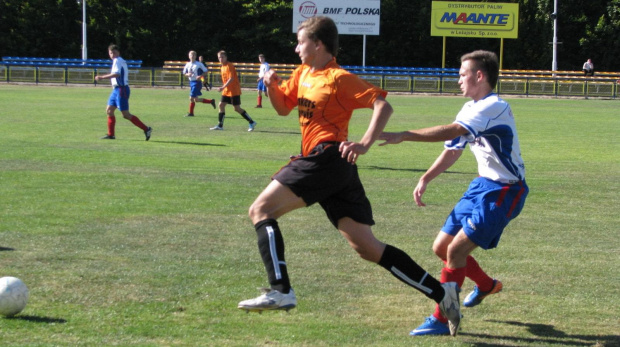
column 547, row 335
column 382, row 168
column 190, row 143
column 2, row 249
column 38, row 319
column 277, row 132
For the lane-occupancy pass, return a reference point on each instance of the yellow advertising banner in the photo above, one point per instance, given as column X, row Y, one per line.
column 475, row 19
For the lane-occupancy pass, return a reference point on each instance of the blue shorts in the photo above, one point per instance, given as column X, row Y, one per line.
column 120, row 98
column 194, row 89
column 261, row 86
column 485, row 210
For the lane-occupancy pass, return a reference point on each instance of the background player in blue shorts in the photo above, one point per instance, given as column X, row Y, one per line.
column 195, row 70
column 264, row 67
column 119, row 98
column 493, row 199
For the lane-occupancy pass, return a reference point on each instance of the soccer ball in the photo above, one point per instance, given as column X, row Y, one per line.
column 13, row 296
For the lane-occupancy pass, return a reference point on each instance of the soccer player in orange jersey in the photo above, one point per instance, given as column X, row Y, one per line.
column 326, row 173
column 231, row 92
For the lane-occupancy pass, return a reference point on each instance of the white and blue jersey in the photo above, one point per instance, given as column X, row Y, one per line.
column 120, row 94
column 119, row 66
column 492, row 138
column 196, row 69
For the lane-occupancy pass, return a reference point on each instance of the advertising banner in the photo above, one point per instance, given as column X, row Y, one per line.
column 353, row 17
column 475, row 19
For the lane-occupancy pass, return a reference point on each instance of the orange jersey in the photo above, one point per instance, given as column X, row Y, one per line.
column 325, row 100
column 228, row 71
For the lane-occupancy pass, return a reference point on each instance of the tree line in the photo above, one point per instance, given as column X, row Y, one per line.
column 156, row 30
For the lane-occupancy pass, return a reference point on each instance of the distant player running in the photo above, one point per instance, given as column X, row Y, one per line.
column 194, row 70
column 325, row 172
column 493, row 199
column 231, row 92
column 119, row 98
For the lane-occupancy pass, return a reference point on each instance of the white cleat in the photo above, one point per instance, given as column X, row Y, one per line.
column 269, row 300
column 252, row 126
column 450, row 307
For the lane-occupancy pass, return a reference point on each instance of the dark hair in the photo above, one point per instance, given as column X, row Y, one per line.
column 113, row 47
column 485, row 61
column 322, row 29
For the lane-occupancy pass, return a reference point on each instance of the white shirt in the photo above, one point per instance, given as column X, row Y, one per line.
column 492, row 137
column 119, row 66
column 196, row 68
column 264, row 67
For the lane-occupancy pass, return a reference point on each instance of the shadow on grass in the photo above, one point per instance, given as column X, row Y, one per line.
column 6, row 249
column 277, row 132
column 190, row 143
column 38, row 319
column 372, row 167
column 548, row 335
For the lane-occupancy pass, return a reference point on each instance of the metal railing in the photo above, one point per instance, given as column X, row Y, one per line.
column 446, row 83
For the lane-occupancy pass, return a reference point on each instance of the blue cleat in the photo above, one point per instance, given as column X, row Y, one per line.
column 431, row 326
column 475, row 297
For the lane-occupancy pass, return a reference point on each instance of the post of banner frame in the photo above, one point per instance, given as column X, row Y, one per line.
column 501, row 53
column 364, row 52
column 443, row 54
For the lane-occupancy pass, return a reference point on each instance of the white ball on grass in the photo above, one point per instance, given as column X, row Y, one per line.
column 13, row 296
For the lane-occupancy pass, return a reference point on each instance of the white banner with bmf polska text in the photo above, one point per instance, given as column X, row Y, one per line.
column 353, row 17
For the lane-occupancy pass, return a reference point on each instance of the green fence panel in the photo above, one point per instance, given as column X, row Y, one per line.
column 52, row 74
column 23, row 74
column 81, row 76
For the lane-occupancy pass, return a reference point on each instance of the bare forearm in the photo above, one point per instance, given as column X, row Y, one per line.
column 434, row 134
column 446, row 159
column 381, row 114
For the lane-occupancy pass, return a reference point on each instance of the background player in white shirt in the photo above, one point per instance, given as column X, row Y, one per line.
column 493, row 199
column 119, row 98
column 264, row 67
column 194, row 70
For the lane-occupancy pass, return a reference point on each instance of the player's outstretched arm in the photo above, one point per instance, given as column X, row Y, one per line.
column 433, row 134
column 382, row 110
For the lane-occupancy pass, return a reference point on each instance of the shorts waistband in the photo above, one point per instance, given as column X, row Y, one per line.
column 323, row 146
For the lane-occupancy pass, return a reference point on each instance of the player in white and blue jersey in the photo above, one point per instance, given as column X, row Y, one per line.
column 194, row 70
column 260, row 87
column 493, row 199
column 119, row 98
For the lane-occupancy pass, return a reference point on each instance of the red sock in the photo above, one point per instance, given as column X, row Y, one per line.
column 206, row 101
column 191, row 107
column 449, row 275
column 111, row 124
column 136, row 121
column 476, row 274
column 259, row 101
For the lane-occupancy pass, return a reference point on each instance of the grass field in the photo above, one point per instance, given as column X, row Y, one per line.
column 134, row 243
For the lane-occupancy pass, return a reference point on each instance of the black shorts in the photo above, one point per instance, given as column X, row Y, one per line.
column 235, row 99
column 325, row 177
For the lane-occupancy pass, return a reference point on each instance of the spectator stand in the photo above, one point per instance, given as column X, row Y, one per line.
column 58, row 70
column 558, row 83
column 248, row 72
column 393, row 79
